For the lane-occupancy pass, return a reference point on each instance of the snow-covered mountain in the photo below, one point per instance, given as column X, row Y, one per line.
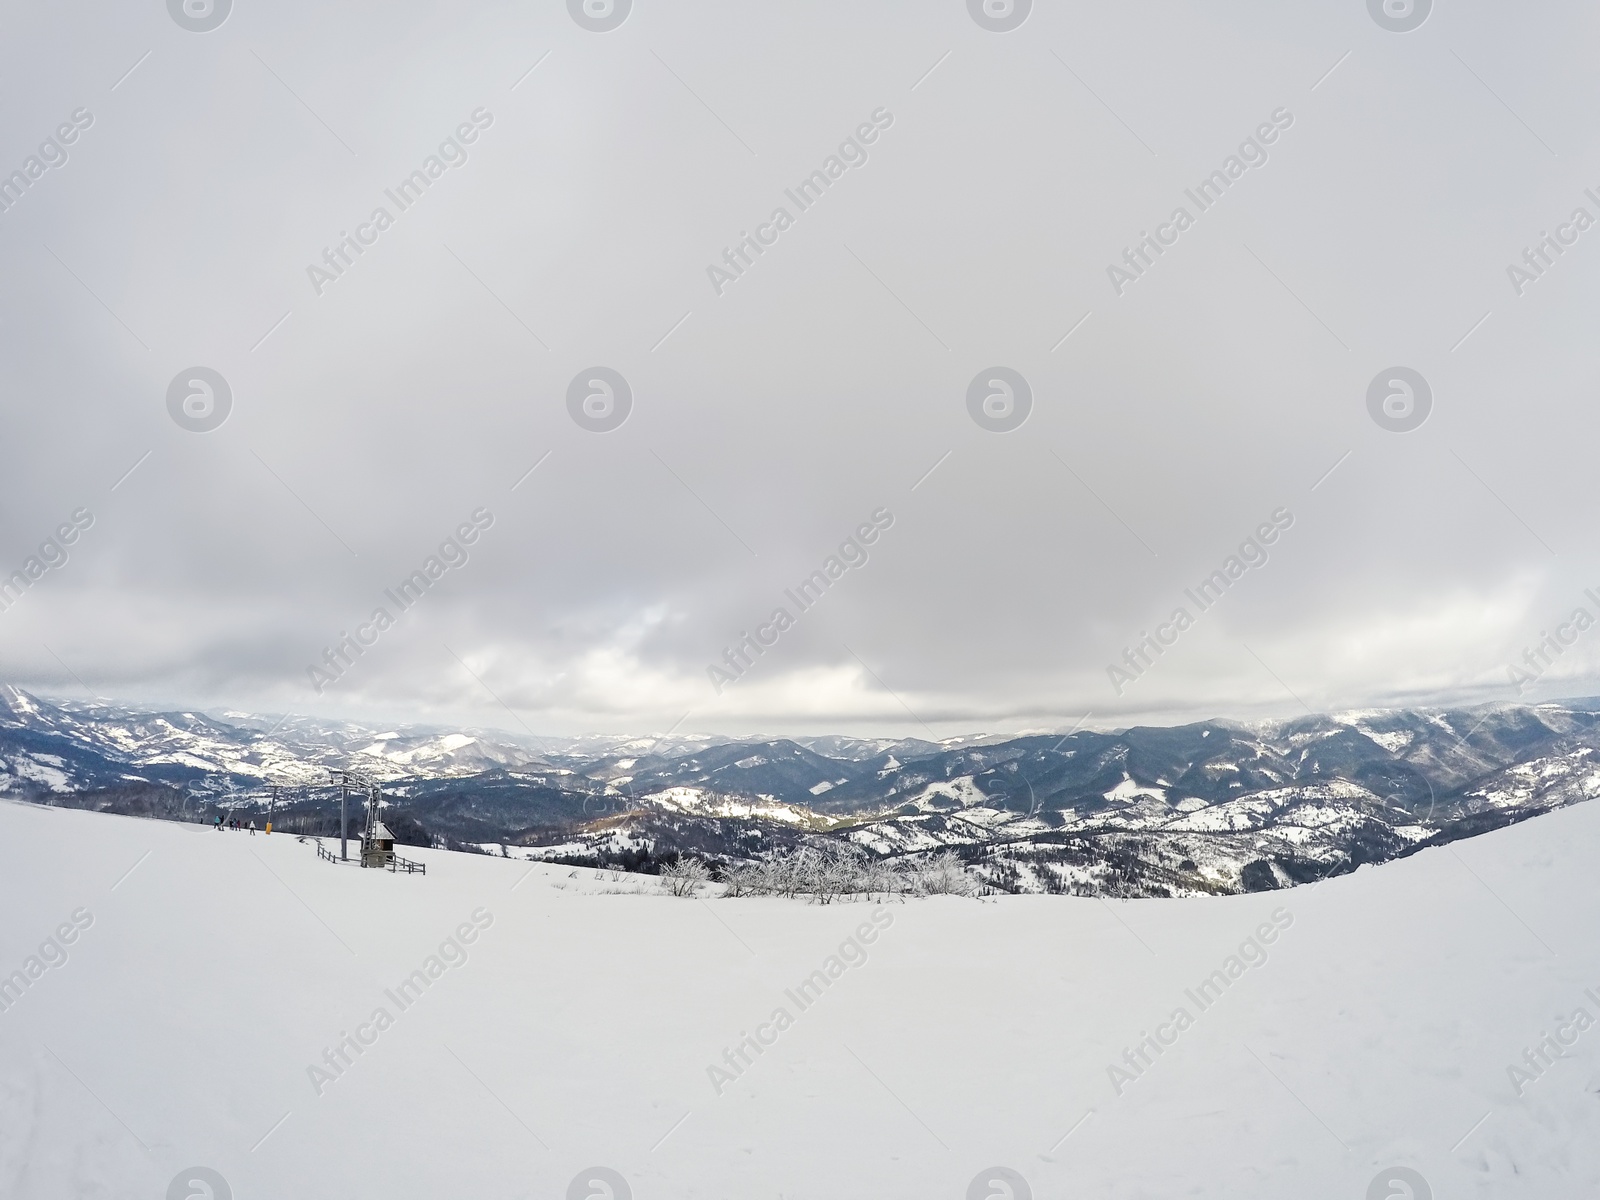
column 79, row 745
column 1211, row 807
column 1214, row 807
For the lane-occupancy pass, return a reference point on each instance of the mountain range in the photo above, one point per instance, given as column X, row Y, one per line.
column 1211, row 807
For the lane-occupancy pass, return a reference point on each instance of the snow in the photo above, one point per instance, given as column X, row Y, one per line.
column 20, row 701
column 989, row 818
column 699, row 801
column 41, row 768
column 1229, row 815
column 961, row 789
column 1374, row 1029
column 1393, row 742
column 1129, row 790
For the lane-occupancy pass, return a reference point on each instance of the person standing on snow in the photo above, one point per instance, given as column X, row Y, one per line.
column 252, row 827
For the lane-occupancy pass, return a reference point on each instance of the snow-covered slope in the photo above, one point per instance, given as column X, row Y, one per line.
column 1363, row 1024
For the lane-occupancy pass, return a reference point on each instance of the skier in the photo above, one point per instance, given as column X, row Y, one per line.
column 219, row 822
column 252, row 827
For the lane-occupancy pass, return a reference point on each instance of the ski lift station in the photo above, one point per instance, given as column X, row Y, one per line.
column 377, row 841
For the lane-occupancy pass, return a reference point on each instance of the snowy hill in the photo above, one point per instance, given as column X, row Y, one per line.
column 510, row 1026
column 97, row 744
column 1212, row 807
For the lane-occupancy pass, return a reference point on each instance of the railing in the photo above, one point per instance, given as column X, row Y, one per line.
column 327, row 854
column 394, row 862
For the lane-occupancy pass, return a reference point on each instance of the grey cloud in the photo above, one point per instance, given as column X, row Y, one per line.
column 574, row 230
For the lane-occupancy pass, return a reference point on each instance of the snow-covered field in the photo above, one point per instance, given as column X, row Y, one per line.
column 553, row 1024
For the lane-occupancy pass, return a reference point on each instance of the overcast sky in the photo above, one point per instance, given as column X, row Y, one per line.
column 1175, row 406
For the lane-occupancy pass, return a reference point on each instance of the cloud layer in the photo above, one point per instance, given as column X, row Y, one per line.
column 962, row 210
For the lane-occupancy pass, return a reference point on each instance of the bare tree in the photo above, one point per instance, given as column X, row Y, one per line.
column 944, row 875
column 685, row 877
column 743, row 879
column 828, row 870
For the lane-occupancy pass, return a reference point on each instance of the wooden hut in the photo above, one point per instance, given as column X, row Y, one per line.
column 377, row 845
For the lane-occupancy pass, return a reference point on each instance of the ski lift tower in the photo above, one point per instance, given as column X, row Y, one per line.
column 377, row 843
column 347, row 780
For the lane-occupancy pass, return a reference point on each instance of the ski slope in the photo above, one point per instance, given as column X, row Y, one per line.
column 554, row 1023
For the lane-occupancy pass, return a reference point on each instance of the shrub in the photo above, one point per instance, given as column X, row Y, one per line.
column 741, row 879
column 944, row 875
column 829, row 870
column 684, row 877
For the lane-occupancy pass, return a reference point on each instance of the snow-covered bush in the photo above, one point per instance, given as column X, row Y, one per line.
column 684, row 877
column 743, row 879
column 943, row 875
column 881, row 877
column 827, row 871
